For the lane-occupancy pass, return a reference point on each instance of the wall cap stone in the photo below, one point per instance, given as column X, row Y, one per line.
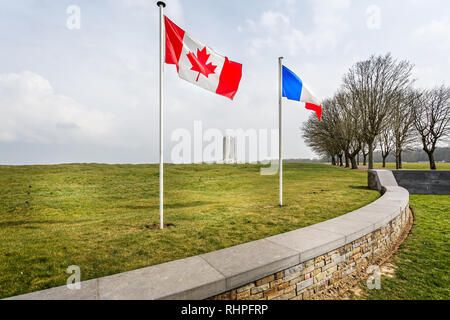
column 379, row 178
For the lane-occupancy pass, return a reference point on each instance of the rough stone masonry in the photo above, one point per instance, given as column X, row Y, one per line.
column 315, row 276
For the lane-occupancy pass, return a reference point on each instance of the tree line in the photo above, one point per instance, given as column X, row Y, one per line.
column 377, row 107
column 415, row 155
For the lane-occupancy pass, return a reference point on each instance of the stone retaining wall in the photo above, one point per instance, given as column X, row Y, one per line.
column 315, row 276
column 424, row 181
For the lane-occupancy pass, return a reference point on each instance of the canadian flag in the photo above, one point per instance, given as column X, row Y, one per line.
column 199, row 64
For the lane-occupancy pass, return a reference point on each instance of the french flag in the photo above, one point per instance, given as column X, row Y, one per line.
column 295, row 89
column 199, row 64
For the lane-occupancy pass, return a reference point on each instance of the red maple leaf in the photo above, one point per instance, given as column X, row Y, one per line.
column 199, row 63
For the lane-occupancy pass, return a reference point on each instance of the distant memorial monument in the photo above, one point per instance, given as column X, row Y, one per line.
column 229, row 150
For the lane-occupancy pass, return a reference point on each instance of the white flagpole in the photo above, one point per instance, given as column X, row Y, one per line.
column 280, row 126
column 161, row 6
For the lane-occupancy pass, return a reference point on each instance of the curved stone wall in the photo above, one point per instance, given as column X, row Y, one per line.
column 334, row 252
column 295, row 265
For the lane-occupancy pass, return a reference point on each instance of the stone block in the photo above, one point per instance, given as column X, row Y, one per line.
column 261, row 288
column 309, row 242
column 292, row 276
column 88, row 291
column 265, row 280
column 305, row 284
column 243, row 295
column 251, row 261
column 295, row 269
column 190, row 278
column 245, row 288
column 296, row 280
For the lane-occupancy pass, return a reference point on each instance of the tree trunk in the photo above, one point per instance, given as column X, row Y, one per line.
column 333, row 161
column 431, row 158
column 384, row 161
column 354, row 164
column 400, row 165
column 357, row 159
column 341, row 164
column 371, row 155
column 364, row 159
column 396, row 161
column 347, row 162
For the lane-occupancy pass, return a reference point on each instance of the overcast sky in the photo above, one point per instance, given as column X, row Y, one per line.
column 91, row 94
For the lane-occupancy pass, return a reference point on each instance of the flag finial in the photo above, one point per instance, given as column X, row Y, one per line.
column 160, row 3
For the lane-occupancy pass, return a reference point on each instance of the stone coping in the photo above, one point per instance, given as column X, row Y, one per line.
column 209, row 274
column 379, row 178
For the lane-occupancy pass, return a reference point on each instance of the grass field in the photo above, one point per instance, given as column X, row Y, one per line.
column 423, row 260
column 98, row 216
column 415, row 165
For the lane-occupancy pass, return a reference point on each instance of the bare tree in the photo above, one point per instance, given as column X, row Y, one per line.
column 315, row 138
column 348, row 129
column 432, row 119
column 336, row 135
column 320, row 135
column 373, row 84
column 365, row 152
column 386, row 142
column 340, row 158
column 402, row 122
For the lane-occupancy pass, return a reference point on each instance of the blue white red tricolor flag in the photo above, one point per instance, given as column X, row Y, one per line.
column 295, row 89
column 199, row 64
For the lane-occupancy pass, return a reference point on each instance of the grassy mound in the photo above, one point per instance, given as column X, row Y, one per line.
column 101, row 217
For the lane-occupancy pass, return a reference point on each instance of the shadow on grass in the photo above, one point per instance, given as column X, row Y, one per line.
column 26, row 222
column 359, row 187
column 170, row 205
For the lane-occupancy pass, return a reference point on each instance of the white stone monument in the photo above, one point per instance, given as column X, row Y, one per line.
column 229, row 150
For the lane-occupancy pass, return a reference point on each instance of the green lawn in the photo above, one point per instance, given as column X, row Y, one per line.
column 423, row 260
column 415, row 165
column 97, row 216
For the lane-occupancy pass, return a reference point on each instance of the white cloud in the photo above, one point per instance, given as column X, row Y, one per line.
column 173, row 8
column 272, row 21
column 432, row 41
column 280, row 32
column 31, row 111
column 429, row 76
